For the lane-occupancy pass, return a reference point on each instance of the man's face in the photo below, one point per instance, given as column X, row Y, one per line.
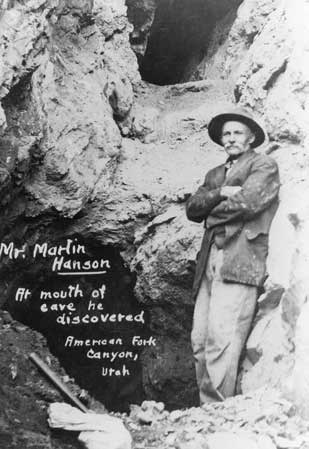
column 236, row 138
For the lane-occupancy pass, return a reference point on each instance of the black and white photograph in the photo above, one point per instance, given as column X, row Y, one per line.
column 154, row 224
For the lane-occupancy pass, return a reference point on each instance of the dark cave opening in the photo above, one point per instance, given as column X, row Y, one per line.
column 101, row 351
column 170, row 47
column 178, row 34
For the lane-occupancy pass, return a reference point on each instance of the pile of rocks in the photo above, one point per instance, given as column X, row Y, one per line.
column 263, row 419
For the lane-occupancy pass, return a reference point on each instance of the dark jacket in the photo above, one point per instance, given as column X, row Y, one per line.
column 246, row 217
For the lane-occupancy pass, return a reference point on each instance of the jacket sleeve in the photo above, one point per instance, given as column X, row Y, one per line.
column 203, row 201
column 258, row 191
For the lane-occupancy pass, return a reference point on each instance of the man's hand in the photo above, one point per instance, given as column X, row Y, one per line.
column 228, row 191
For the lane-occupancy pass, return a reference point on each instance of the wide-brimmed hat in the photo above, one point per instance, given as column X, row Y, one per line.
column 236, row 115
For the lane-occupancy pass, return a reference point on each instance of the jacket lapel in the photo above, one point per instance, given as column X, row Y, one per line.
column 219, row 176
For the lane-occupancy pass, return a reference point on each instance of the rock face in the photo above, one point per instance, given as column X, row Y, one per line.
column 297, row 385
column 141, row 14
column 66, row 71
column 261, row 54
column 89, row 150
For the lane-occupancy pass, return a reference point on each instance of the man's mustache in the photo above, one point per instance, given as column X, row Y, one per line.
column 231, row 146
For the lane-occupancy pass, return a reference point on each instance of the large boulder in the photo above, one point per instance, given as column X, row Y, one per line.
column 262, row 53
column 74, row 67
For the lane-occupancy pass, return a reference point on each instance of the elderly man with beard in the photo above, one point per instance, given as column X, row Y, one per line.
column 237, row 203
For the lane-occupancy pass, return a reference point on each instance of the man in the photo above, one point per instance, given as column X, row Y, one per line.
column 237, row 203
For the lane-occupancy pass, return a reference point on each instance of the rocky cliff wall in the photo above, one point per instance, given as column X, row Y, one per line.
column 263, row 55
column 89, row 150
column 66, row 69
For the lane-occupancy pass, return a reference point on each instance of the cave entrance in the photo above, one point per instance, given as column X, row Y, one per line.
column 178, row 38
column 91, row 319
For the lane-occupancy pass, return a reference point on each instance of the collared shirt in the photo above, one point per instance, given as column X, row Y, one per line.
column 229, row 164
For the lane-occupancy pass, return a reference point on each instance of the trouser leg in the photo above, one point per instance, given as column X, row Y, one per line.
column 199, row 334
column 198, row 338
column 222, row 318
column 230, row 314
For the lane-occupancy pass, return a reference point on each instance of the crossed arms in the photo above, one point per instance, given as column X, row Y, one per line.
column 221, row 205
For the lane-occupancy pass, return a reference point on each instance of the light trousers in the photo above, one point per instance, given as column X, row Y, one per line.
column 222, row 320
